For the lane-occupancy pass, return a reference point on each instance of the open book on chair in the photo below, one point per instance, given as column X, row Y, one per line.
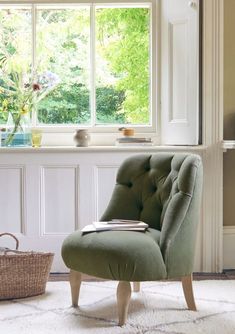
column 116, row 225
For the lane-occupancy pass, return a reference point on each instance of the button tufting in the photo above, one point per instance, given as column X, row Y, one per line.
column 130, row 184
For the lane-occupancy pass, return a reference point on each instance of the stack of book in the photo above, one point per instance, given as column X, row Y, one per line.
column 133, row 141
column 116, row 225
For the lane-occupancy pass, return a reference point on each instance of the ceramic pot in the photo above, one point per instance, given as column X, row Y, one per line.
column 127, row 132
column 82, row 138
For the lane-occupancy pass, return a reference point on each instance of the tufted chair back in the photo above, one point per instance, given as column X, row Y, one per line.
column 146, row 184
column 162, row 190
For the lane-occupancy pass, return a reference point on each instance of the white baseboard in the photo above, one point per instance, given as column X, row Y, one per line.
column 229, row 247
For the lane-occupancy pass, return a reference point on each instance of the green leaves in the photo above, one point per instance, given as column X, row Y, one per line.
column 63, row 47
column 3, row 59
column 124, row 35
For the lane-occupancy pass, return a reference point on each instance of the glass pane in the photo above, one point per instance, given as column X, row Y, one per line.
column 15, row 60
column 123, row 65
column 63, row 47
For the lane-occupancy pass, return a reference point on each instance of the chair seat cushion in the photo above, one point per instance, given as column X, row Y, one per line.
column 116, row 255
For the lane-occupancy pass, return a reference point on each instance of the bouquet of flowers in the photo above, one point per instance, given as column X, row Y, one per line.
column 20, row 92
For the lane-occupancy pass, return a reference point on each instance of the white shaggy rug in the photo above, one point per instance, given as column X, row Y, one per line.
column 159, row 308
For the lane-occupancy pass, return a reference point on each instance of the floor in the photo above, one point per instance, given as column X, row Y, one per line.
column 225, row 275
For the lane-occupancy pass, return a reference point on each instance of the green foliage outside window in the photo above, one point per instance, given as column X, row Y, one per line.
column 128, row 56
column 122, row 62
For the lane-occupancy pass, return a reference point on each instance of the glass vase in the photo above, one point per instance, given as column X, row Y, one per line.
column 18, row 132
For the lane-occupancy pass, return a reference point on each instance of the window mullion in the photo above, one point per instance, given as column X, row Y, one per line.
column 34, row 22
column 92, row 66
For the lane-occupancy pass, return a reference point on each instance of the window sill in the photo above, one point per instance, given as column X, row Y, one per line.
column 74, row 149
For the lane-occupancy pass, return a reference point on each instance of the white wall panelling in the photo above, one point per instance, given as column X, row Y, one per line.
column 104, row 181
column 59, row 199
column 12, row 198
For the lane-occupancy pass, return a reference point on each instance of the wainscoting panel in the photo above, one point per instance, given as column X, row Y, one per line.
column 12, row 204
column 58, row 199
column 104, row 177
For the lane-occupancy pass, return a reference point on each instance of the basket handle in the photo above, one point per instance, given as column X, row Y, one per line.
column 16, row 251
column 13, row 236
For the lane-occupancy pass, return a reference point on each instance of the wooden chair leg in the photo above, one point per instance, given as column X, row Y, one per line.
column 136, row 286
column 188, row 292
column 75, row 282
column 123, row 301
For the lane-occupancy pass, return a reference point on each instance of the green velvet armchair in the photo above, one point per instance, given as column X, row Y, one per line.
column 163, row 190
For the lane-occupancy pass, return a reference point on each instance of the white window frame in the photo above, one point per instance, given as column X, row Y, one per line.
column 109, row 130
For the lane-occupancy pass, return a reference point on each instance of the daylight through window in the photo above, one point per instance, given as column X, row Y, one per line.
column 91, row 64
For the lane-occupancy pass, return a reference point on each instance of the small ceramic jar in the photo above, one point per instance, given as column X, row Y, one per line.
column 82, row 138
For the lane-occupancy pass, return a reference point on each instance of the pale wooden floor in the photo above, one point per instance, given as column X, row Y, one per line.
column 226, row 275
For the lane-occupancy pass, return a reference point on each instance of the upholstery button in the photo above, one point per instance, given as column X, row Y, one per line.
column 141, row 207
column 130, row 184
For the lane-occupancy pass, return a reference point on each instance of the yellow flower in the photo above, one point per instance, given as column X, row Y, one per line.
column 5, row 103
column 24, row 110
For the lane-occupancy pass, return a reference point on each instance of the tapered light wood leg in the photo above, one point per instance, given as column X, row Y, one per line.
column 123, row 301
column 188, row 292
column 75, row 282
column 136, row 286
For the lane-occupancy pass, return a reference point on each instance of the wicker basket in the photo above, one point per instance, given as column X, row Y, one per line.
column 23, row 274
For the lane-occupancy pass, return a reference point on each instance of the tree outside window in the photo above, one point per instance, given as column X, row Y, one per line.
column 100, row 57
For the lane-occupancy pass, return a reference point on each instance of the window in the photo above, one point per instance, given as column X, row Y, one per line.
column 91, row 64
column 103, row 65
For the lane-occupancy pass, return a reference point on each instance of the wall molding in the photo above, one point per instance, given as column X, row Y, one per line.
column 229, row 230
column 213, row 135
